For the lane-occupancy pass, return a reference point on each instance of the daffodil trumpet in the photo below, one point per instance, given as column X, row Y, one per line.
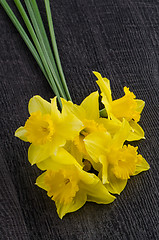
column 81, row 149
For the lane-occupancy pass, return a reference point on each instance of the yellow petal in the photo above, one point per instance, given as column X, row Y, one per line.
column 62, row 159
column 37, row 153
column 136, row 131
column 87, row 178
column 74, row 151
column 140, row 105
column 68, row 107
column 77, row 202
column 121, row 136
column 98, row 193
column 55, row 113
column 21, row 133
column 142, row 165
column 69, row 127
column 95, row 190
column 91, row 106
column 97, row 144
column 49, row 164
column 37, row 103
column 65, row 158
column 104, row 162
column 115, row 185
column 112, row 126
column 104, row 85
column 40, row 181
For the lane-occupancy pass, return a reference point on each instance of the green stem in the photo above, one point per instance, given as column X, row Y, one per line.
column 28, row 42
column 55, row 49
column 36, row 27
column 44, row 37
column 103, row 113
column 36, row 42
column 22, row 33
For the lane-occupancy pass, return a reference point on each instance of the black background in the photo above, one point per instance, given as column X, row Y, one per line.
column 120, row 39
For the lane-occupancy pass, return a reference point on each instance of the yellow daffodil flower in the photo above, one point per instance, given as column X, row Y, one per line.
column 127, row 107
column 47, row 129
column 117, row 162
column 71, row 187
column 88, row 113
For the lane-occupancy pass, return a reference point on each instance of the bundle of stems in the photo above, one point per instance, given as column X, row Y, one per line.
column 37, row 41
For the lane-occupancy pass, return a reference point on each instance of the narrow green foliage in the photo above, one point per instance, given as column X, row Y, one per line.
column 48, row 61
column 43, row 47
column 38, row 47
column 22, row 33
column 54, row 45
column 43, row 33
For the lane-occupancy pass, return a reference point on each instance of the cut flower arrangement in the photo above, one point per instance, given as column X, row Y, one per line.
column 85, row 152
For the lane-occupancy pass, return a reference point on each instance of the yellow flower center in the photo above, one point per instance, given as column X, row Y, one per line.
column 125, row 107
column 39, row 128
column 62, row 185
column 125, row 161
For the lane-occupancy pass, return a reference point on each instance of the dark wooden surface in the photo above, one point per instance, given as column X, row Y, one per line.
column 120, row 39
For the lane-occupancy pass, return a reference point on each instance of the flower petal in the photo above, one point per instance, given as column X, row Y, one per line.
column 142, row 165
column 38, row 153
column 21, row 133
column 62, row 159
column 37, row 103
column 104, row 85
column 65, row 158
column 115, row 185
column 104, row 162
column 69, row 127
column 136, row 132
column 98, row 193
column 140, row 105
column 77, row 202
column 68, row 107
column 74, row 151
column 112, row 126
column 91, row 106
column 121, row 136
column 97, row 144
column 40, row 181
column 49, row 164
column 55, row 113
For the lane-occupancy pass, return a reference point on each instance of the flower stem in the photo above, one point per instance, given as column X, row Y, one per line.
column 40, row 60
column 55, row 49
column 43, row 47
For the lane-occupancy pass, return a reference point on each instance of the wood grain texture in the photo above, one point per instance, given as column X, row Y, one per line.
column 120, row 39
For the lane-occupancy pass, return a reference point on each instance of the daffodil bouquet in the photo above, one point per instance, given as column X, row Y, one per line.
column 85, row 152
